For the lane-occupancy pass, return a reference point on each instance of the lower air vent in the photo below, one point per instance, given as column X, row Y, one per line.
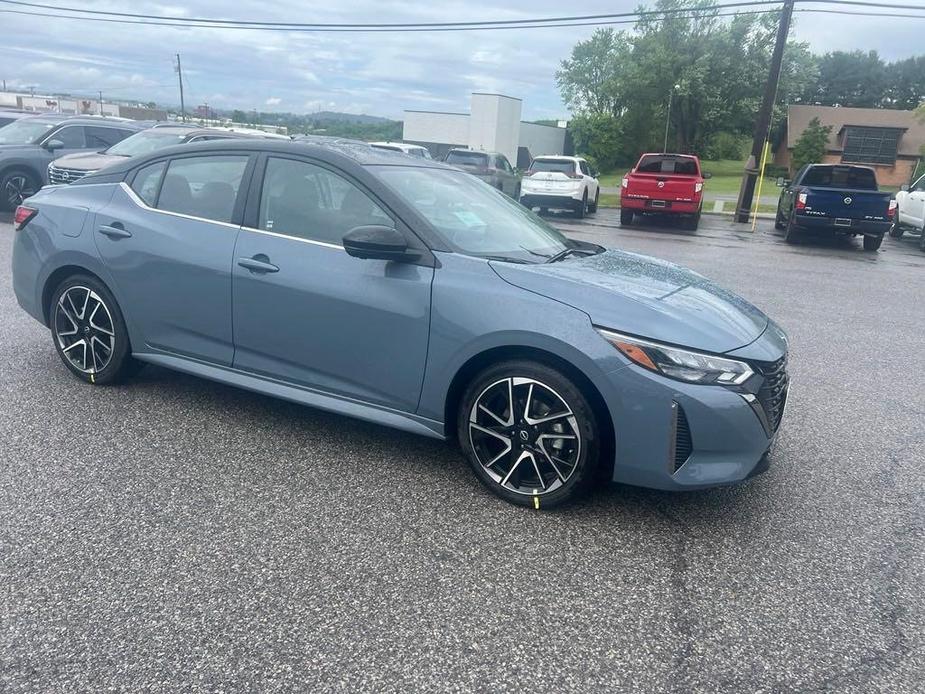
column 682, row 446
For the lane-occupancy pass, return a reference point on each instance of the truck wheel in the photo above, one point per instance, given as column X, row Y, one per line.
column 691, row 223
column 779, row 222
column 15, row 186
column 626, row 217
column 790, row 236
column 896, row 231
column 872, row 243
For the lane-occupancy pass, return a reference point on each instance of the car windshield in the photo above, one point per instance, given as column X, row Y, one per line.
column 855, row 177
column 472, row 217
column 553, row 165
column 467, row 158
column 680, row 166
column 24, row 131
column 147, row 141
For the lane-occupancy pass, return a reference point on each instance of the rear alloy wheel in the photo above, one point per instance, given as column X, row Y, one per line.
column 626, row 217
column 582, row 210
column 592, row 208
column 529, row 434
column 16, row 186
column 872, row 243
column 89, row 331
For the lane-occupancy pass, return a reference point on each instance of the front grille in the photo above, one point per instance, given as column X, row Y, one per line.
column 58, row 175
column 773, row 393
column 683, row 446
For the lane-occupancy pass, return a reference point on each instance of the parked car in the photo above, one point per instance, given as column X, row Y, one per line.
column 491, row 167
column 73, row 167
column 404, row 292
column 835, row 198
column 8, row 115
column 28, row 145
column 910, row 211
column 665, row 184
column 561, row 183
column 413, row 150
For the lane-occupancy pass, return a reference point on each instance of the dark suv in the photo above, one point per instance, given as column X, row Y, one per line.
column 27, row 145
column 75, row 166
column 491, row 167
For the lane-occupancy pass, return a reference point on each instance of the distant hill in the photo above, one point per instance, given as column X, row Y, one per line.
column 337, row 117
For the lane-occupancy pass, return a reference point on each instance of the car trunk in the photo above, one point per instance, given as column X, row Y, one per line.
column 550, row 181
column 846, row 204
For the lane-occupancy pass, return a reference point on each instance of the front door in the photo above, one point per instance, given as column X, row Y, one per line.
column 307, row 313
column 168, row 242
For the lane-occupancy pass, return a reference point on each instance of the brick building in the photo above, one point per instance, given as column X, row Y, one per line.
column 890, row 141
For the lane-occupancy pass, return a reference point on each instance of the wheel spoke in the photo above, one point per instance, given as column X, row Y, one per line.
column 490, row 432
column 498, row 457
column 94, row 325
column 552, row 463
column 538, row 473
column 550, row 418
column 523, row 456
column 493, row 415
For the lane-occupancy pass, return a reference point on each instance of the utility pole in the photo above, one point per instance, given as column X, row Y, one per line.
column 180, row 77
column 101, row 102
column 763, row 123
column 668, row 117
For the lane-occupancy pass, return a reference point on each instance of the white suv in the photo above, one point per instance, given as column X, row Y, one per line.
column 413, row 150
column 910, row 210
column 563, row 183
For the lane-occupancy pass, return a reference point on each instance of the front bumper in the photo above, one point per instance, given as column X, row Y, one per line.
column 681, row 207
column 675, row 436
column 866, row 227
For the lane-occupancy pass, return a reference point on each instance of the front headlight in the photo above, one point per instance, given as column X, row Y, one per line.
column 681, row 364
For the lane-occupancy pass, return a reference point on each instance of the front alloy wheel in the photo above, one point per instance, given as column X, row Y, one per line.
column 16, row 187
column 529, row 434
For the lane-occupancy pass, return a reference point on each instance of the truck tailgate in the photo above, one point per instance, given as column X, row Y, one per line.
column 661, row 186
column 846, row 204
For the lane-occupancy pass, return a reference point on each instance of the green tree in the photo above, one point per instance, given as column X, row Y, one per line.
column 811, row 145
column 590, row 80
column 855, row 79
column 238, row 116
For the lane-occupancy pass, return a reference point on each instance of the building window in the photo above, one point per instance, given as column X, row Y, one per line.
column 870, row 145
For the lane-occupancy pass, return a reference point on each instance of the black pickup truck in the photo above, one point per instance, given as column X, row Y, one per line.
column 838, row 199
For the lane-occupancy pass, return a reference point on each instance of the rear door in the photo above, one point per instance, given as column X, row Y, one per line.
column 308, row 313
column 168, row 240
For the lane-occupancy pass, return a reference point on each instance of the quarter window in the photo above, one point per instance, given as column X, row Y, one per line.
column 204, row 187
column 147, row 181
column 583, row 165
column 310, row 202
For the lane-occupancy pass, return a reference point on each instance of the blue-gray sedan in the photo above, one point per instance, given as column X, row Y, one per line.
column 401, row 291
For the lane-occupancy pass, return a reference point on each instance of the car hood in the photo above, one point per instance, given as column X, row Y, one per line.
column 646, row 297
column 86, row 161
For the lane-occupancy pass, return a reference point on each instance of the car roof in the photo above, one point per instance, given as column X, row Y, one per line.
column 668, row 154
column 86, row 120
column 563, row 157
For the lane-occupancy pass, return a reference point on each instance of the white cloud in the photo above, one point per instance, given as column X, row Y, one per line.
column 273, row 101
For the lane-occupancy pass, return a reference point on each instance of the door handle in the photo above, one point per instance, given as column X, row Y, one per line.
column 115, row 231
column 259, row 263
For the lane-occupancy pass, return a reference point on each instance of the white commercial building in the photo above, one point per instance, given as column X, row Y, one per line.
column 493, row 125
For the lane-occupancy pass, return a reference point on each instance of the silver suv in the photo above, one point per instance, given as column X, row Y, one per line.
column 29, row 144
column 491, row 167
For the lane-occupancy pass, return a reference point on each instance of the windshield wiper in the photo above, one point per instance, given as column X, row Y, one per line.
column 506, row 259
column 563, row 254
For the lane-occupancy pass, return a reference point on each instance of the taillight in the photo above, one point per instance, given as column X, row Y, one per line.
column 23, row 216
column 625, row 182
column 698, row 187
column 801, row 201
column 891, row 210
column 572, row 174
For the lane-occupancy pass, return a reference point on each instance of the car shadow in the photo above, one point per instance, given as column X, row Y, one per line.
column 661, row 223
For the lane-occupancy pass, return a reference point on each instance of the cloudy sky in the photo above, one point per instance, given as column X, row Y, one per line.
column 379, row 74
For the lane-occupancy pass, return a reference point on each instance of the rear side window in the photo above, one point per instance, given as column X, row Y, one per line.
column 310, row 202
column 553, row 165
column 104, row 138
column 72, row 136
column 204, row 187
column 681, row 166
column 470, row 158
column 147, row 181
column 854, row 177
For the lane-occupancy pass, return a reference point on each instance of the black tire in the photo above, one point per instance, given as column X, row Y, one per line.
column 15, row 185
column 691, row 223
column 105, row 368
column 780, row 223
column 922, row 238
column 592, row 208
column 582, row 210
column 872, row 243
column 792, row 231
column 626, row 217
column 896, row 230
column 546, row 484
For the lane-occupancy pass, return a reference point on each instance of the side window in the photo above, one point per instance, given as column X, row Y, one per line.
column 203, row 186
column 919, row 185
column 102, row 138
column 583, row 165
column 310, row 202
column 72, row 136
column 147, row 181
column 505, row 164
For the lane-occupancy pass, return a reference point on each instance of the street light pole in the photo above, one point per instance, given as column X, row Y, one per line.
column 668, row 117
column 180, row 78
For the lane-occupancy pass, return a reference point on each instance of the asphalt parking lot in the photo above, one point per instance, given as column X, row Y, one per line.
column 175, row 534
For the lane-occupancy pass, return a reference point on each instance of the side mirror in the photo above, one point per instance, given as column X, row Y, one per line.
column 904, row 187
column 52, row 145
column 707, row 174
column 377, row 242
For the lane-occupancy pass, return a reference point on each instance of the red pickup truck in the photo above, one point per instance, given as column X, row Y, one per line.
column 664, row 184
